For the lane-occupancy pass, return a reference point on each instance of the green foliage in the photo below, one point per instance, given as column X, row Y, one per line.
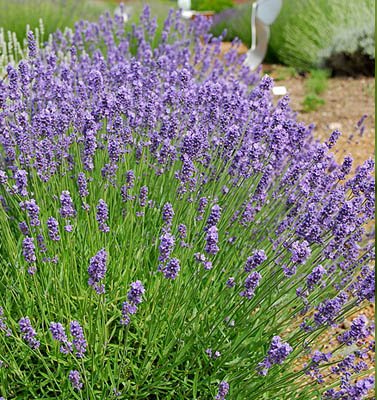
column 211, row 5
column 315, row 85
column 317, row 81
column 309, row 33
column 312, row 102
column 43, row 17
column 15, row 15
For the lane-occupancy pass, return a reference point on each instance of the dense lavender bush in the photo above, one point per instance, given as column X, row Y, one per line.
column 167, row 232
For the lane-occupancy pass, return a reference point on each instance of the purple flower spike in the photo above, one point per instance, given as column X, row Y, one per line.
column 97, row 270
column 172, row 268
column 75, row 379
column 28, row 250
column 203, row 201
column 102, row 216
column 78, row 339
column 53, row 229
column 167, row 242
column 135, row 294
column 358, row 331
column 82, row 184
column 255, row 260
column 29, row 333
column 212, row 240
column 223, row 390
column 300, row 252
column 58, row 333
column 167, row 214
column 24, row 228
column 315, row 277
column 128, row 309
column 143, row 196
column 135, row 297
column 277, row 353
column 67, row 209
column 214, row 216
column 251, row 283
column 182, row 231
column 21, row 182
column 31, row 45
column 33, row 212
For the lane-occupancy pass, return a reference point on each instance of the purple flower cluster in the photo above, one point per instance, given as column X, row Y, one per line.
column 102, row 216
column 28, row 250
column 255, row 260
column 171, row 269
column 167, row 214
column 33, row 212
column 330, row 309
column 212, row 239
column 276, row 354
column 82, row 184
column 359, row 330
column 97, row 270
column 53, row 229
column 78, row 341
column 167, row 243
column 251, row 283
column 135, row 297
column 75, row 379
column 314, row 278
column 67, row 209
column 222, row 391
column 28, row 333
column 300, row 252
column 58, row 333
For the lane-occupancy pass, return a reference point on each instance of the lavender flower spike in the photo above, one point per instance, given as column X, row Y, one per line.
column 102, row 216
column 167, row 214
column 75, row 379
column 212, row 240
column 28, row 250
column 78, row 339
column 29, row 333
column 53, row 229
column 97, row 270
column 223, row 390
column 67, row 209
column 277, row 353
column 172, row 268
column 135, row 294
column 58, row 333
column 166, row 246
column 135, row 297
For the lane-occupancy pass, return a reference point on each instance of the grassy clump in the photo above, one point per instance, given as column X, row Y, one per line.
column 315, row 85
column 311, row 33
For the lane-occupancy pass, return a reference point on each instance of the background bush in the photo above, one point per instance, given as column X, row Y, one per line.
column 310, row 34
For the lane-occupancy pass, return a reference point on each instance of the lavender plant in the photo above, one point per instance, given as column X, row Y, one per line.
column 168, row 232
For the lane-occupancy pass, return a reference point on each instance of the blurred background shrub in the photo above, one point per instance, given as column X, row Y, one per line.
column 211, row 5
column 15, row 15
column 334, row 34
